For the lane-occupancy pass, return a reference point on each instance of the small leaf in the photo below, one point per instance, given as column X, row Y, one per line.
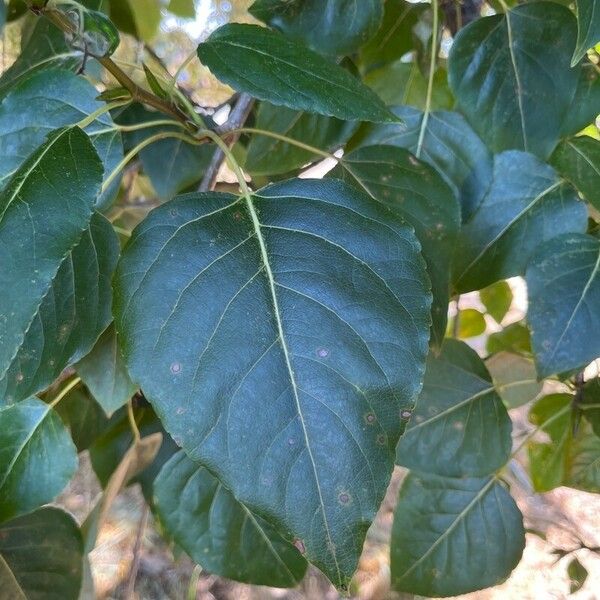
column 415, row 192
column 515, row 378
column 578, row 159
column 584, row 462
column 311, row 339
column 104, row 372
column 588, row 28
column 495, row 74
column 268, row 156
column 448, row 144
column 154, row 83
column 220, row 533
column 37, row 457
column 563, row 281
column 454, row 536
column 97, row 35
column 471, row 323
column 497, row 299
column 459, row 427
column 41, row 556
column 525, row 205
column 513, row 338
column 336, row 28
column 282, row 71
column 577, row 574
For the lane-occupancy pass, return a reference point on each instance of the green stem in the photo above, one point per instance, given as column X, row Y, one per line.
column 132, row 423
column 74, row 383
column 100, row 111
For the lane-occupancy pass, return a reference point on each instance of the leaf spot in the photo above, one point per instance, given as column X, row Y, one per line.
column 344, row 498
column 406, row 414
column 370, row 418
column 322, row 352
column 176, row 368
column 300, row 546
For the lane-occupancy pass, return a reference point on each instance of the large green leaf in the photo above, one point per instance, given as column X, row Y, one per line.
column 447, row 143
column 283, row 72
column 46, row 101
column 515, row 378
column 588, row 27
column 578, row 159
column 459, row 427
column 585, row 105
column 41, row 557
column 269, row 156
column 525, row 205
column 454, row 536
column 511, row 99
column 37, row 457
column 331, row 27
column 220, row 533
column 563, row 281
column 414, row 191
column 44, row 213
column 74, row 311
column 104, row 372
column 288, row 384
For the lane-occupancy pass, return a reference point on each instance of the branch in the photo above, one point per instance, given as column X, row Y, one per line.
column 238, row 116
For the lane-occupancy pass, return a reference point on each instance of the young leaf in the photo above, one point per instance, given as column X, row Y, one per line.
column 220, row 533
column 454, row 536
column 333, row 28
column 578, row 159
column 471, row 323
column 47, row 206
column 526, row 204
column 459, row 427
column 448, row 144
column 37, row 457
column 41, row 556
column 563, row 281
column 104, row 373
column 415, row 192
column 588, row 28
column 310, row 342
column 513, row 338
column 282, row 71
column 577, row 574
column 269, row 156
column 515, row 378
column 500, row 86
column 73, row 313
column 497, row 299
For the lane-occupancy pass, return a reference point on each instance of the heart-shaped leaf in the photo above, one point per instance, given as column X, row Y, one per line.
column 333, row 28
column 500, row 86
column 413, row 190
column 44, row 213
column 454, row 536
column 284, row 72
column 220, row 533
column 41, row 556
column 526, row 204
column 588, row 27
column 37, row 457
column 515, row 378
column 497, row 299
column 289, row 383
column 459, row 427
column 563, row 281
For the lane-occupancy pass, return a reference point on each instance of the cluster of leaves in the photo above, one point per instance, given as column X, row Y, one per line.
column 290, row 340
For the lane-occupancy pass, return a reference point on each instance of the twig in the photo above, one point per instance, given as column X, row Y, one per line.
column 238, row 116
column 135, row 563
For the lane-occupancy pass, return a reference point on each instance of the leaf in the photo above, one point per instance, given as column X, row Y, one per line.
column 283, row 72
column 448, row 144
column 74, row 311
column 578, row 159
column 525, row 205
column 41, row 556
column 509, row 98
column 269, row 156
column 497, row 299
column 563, row 282
column 395, row 36
column 183, row 8
column 515, row 378
column 577, row 574
column 471, row 323
column 83, row 416
column 454, row 536
column 37, row 457
column 46, row 207
column 591, row 396
column 584, row 106
column 415, row 192
column 46, row 101
column 459, row 427
column 146, row 17
column 584, row 465
column 588, row 28
column 220, row 533
column 513, row 338
column 104, row 372
column 333, row 27
column 310, row 342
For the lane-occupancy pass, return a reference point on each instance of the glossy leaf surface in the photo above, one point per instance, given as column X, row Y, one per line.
column 588, row 27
